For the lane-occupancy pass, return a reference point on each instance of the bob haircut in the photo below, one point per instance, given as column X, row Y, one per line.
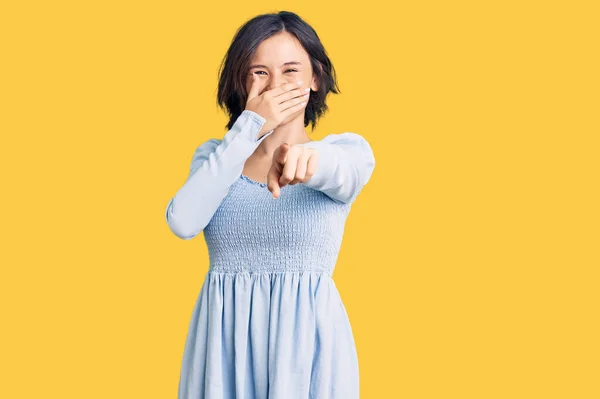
column 232, row 95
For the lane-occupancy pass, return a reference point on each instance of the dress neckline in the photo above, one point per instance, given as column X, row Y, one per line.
column 249, row 180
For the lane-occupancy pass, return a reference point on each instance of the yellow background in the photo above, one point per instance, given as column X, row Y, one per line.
column 469, row 267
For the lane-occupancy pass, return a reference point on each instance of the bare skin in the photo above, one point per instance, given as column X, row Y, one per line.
column 278, row 160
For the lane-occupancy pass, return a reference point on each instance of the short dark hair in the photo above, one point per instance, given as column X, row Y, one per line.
column 232, row 95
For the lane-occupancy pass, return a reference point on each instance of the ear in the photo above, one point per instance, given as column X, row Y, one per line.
column 314, row 83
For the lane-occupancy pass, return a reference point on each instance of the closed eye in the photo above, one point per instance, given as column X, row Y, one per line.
column 292, row 70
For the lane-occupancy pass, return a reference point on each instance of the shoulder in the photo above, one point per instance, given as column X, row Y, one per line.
column 206, row 148
column 349, row 138
column 203, row 152
column 352, row 142
column 208, row 145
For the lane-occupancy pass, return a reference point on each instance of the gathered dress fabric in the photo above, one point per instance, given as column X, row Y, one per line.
column 269, row 322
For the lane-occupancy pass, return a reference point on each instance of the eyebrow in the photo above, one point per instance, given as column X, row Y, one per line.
column 264, row 66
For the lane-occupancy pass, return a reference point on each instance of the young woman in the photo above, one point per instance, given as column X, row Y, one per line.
column 269, row 322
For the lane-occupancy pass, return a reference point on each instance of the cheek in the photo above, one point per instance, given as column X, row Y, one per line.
column 307, row 78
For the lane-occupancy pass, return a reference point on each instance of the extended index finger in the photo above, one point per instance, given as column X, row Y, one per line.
column 254, row 87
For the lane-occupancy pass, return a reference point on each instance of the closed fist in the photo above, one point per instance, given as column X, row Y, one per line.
column 291, row 164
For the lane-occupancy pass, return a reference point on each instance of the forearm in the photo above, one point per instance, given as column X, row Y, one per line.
column 215, row 167
column 344, row 166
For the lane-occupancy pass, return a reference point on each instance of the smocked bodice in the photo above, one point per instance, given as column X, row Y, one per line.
column 253, row 232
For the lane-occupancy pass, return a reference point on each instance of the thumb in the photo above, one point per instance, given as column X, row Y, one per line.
column 253, row 88
column 273, row 181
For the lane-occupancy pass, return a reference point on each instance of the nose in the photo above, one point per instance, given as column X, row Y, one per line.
column 275, row 81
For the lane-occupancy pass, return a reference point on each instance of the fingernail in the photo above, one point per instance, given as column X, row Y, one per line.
column 299, row 82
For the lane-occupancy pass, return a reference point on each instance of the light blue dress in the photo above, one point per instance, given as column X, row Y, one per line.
column 269, row 322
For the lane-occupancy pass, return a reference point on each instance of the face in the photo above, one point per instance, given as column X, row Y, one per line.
column 269, row 61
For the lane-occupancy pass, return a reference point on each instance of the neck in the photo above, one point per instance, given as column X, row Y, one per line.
column 293, row 132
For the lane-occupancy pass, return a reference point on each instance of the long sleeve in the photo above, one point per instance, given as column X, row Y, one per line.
column 346, row 162
column 215, row 166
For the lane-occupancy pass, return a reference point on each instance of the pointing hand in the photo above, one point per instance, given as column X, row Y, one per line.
column 291, row 164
